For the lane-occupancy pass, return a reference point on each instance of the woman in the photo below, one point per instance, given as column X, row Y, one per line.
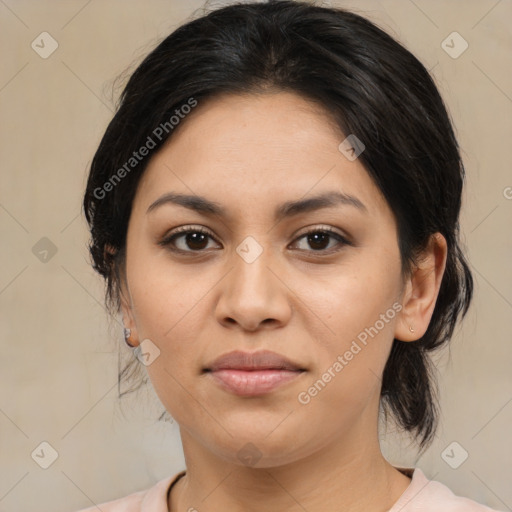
column 274, row 208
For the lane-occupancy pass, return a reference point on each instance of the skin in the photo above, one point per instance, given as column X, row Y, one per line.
column 250, row 153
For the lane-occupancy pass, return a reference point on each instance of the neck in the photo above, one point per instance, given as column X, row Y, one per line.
column 351, row 471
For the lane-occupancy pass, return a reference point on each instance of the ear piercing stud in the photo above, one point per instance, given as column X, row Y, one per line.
column 411, row 329
column 127, row 334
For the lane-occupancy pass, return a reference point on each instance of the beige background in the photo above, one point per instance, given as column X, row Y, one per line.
column 59, row 356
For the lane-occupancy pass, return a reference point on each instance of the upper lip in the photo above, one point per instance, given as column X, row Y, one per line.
column 261, row 360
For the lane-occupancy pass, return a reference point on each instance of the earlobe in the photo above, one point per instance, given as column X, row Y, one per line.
column 421, row 290
column 130, row 329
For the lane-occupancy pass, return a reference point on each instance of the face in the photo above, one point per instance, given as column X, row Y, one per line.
column 316, row 282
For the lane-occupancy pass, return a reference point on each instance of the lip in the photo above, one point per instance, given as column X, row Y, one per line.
column 260, row 360
column 253, row 373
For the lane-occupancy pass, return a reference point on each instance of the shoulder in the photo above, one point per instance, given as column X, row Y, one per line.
column 424, row 495
column 131, row 503
column 153, row 499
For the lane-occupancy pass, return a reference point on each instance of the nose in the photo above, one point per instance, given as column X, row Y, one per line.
column 254, row 295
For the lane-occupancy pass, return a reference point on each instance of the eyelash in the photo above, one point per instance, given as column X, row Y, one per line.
column 169, row 239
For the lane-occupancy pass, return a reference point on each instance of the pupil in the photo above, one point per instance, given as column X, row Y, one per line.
column 318, row 238
column 196, row 238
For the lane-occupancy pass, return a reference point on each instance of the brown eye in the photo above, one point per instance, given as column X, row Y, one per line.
column 196, row 241
column 318, row 240
column 187, row 239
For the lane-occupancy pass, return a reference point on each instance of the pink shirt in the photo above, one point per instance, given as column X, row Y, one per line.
column 422, row 495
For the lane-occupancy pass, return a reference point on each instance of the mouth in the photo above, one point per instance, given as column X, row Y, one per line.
column 253, row 382
column 252, row 374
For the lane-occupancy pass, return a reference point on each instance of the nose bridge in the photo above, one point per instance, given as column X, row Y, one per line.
column 251, row 272
column 252, row 293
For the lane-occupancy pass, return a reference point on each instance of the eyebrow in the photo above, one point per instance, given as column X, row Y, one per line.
column 288, row 209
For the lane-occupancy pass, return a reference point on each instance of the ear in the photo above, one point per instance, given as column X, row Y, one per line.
column 127, row 312
column 421, row 290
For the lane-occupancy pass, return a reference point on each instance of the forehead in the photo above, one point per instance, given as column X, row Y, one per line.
column 248, row 148
column 276, row 126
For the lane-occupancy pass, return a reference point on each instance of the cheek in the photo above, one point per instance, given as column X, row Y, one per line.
column 348, row 377
column 165, row 296
column 169, row 310
column 359, row 304
column 350, row 297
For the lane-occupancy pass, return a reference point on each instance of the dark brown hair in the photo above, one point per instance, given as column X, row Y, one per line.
column 373, row 87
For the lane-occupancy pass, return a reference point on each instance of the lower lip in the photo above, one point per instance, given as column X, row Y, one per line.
column 254, row 382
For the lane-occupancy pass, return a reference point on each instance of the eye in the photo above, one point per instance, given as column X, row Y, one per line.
column 187, row 239
column 319, row 240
